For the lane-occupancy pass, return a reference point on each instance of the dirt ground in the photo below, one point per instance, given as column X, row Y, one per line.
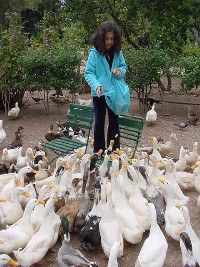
column 36, row 123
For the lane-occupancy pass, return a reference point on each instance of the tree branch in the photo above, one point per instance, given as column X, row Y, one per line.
column 120, row 23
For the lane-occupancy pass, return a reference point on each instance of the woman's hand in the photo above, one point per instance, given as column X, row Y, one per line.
column 116, row 72
column 99, row 90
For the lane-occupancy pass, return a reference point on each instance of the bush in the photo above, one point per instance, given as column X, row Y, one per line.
column 145, row 66
column 189, row 65
column 47, row 68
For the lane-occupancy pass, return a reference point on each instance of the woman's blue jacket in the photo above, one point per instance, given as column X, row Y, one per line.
column 97, row 72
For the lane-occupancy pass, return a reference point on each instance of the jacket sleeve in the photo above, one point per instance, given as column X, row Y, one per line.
column 122, row 65
column 90, row 72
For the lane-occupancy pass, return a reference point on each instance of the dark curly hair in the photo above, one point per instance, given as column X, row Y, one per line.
column 99, row 37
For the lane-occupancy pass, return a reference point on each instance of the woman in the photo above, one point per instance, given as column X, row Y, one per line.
column 105, row 61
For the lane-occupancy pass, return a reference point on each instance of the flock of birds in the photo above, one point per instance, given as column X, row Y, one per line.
column 106, row 205
column 60, row 99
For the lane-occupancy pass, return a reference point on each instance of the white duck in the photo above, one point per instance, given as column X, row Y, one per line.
column 11, row 155
column 83, row 101
column 188, row 229
column 5, row 178
column 154, row 249
column 30, row 189
column 151, row 116
column 167, row 148
column 137, row 202
column 14, row 112
column 181, row 164
column 180, row 198
column 196, row 172
column 17, row 181
column 40, row 242
column 131, row 230
column 174, row 220
column 23, row 161
column 37, row 214
column 2, row 132
column 19, row 234
column 6, row 260
column 192, row 156
column 110, row 231
column 11, row 210
column 185, row 180
column 42, row 173
column 155, row 152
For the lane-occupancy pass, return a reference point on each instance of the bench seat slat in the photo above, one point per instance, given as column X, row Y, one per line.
column 78, row 116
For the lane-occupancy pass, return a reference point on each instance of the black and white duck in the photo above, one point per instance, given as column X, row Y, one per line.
column 153, row 196
column 188, row 258
column 67, row 255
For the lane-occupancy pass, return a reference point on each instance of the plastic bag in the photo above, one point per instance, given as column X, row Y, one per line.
column 118, row 97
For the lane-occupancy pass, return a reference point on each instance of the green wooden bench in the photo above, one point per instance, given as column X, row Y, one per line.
column 130, row 132
column 78, row 116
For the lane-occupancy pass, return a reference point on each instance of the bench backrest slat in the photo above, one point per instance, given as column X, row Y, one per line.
column 130, row 129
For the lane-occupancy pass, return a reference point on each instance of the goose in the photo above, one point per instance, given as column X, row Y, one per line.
column 67, row 255
column 19, row 234
column 2, row 132
column 83, row 101
column 6, row 260
column 154, row 249
column 151, row 116
column 190, row 231
column 13, row 113
column 188, row 257
column 167, row 148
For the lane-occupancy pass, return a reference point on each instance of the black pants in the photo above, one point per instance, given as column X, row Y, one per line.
column 100, row 107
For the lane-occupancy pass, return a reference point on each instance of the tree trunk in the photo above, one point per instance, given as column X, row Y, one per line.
column 160, row 85
column 169, row 83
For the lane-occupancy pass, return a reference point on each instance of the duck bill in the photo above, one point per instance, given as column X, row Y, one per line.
column 13, row 262
column 26, row 194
